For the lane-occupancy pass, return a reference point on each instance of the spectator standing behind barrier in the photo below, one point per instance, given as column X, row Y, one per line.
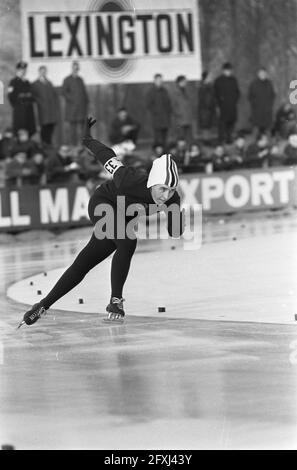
column 261, row 97
column 21, row 99
column 206, row 105
column 277, row 155
column 180, row 152
column 23, row 143
column 123, row 127
column 60, row 167
column 157, row 151
column 227, row 94
column 238, row 152
column 285, row 121
column 21, row 171
column 290, row 151
column 159, row 105
column 182, row 110
column 220, row 158
column 47, row 102
column 76, row 108
column 89, row 168
column 258, row 153
column 194, row 159
column 39, row 176
column 7, row 143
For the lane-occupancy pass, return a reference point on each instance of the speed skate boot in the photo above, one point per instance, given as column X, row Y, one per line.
column 33, row 314
column 115, row 310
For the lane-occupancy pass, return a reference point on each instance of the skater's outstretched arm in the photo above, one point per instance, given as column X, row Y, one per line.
column 101, row 152
column 126, row 176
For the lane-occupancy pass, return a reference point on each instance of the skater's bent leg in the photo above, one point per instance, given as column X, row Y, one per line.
column 121, row 264
column 91, row 255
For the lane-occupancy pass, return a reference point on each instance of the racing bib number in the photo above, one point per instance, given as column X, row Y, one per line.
column 112, row 165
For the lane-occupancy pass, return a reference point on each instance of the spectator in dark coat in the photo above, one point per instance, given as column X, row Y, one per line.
column 206, row 105
column 7, row 143
column 158, row 150
column 290, row 151
column 21, row 171
column 60, row 168
column 47, row 102
column 227, row 95
column 194, row 159
column 23, row 143
column 221, row 158
column 261, row 97
column 258, row 153
column 89, row 167
column 277, row 153
column 14, row 169
column 285, row 121
column 238, row 152
column 180, row 152
column 38, row 176
column 76, row 108
column 21, row 99
column 159, row 105
column 182, row 110
column 123, row 127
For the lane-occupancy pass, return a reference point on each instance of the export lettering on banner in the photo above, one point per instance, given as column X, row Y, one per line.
column 220, row 193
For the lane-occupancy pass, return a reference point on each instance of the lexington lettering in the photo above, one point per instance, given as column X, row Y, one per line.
column 110, row 35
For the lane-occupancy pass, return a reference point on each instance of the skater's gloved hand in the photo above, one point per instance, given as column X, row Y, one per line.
column 89, row 123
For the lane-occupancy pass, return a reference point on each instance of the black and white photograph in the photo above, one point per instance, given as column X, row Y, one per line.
column 148, row 227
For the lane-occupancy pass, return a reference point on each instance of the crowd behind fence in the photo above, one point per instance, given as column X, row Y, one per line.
column 29, row 156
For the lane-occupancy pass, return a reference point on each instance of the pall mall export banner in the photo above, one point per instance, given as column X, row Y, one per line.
column 67, row 206
column 114, row 40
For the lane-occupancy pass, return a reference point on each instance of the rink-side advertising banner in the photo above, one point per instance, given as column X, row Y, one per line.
column 33, row 207
column 114, row 40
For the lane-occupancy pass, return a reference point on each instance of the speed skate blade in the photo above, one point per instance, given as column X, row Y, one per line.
column 21, row 324
column 118, row 321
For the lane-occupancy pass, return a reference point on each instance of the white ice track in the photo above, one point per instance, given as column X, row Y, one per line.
column 247, row 279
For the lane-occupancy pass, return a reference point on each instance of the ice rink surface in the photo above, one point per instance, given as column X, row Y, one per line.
column 216, row 370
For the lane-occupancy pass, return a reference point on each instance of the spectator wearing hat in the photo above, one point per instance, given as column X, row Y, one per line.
column 21, row 99
column 227, row 94
column 182, row 110
column 76, row 107
column 47, row 102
